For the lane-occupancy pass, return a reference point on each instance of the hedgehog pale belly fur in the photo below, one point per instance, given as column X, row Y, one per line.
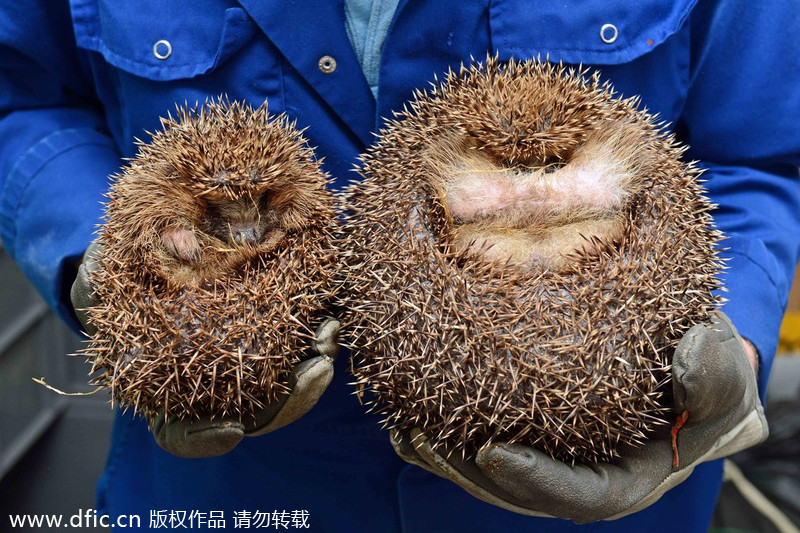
column 216, row 265
column 522, row 256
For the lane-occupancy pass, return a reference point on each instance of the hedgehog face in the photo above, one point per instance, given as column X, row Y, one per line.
column 238, row 217
column 245, row 221
column 219, row 187
column 225, row 227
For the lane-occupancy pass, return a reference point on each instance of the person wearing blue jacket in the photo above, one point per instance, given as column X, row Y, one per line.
column 79, row 81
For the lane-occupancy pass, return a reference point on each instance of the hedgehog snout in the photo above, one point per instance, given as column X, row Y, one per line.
column 245, row 233
column 237, row 222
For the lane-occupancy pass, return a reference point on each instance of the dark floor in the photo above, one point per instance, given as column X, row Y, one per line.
column 52, row 447
column 58, row 474
column 772, row 468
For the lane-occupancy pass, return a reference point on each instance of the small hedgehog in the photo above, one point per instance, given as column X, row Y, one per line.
column 522, row 256
column 215, row 266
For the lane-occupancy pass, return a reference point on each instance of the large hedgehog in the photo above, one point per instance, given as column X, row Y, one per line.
column 215, row 264
column 522, row 256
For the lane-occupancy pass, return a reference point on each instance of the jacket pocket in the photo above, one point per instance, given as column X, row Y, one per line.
column 159, row 39
column 584, row 31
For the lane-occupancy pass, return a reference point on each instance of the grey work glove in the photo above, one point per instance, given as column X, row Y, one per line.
column 713, row 380
column 209, row 438
column 81, row 292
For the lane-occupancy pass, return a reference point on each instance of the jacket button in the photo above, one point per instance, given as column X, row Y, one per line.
column 327, row 64
column 162, row 49
column 609, row 33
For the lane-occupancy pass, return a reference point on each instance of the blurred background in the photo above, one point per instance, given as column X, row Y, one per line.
column 761, row 493
column 52, row 447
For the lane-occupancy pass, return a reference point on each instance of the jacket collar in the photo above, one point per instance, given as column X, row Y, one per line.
column 305, row 32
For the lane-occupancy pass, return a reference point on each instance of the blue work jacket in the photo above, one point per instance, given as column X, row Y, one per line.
column 80, row 81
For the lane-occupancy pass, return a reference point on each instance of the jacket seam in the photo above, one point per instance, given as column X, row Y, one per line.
column 761, row 268
column 16, row 177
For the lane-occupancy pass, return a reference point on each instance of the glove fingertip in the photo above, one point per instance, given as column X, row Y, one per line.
column 312, row 379
column 505, row 449
column 721, row 323
column 497, row 459
column 326, row 338
column 315, row 371
column 221, row 444
column 197, row 439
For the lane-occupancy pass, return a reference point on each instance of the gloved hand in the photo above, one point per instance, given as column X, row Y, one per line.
column 713, row 381
column 206, row 437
